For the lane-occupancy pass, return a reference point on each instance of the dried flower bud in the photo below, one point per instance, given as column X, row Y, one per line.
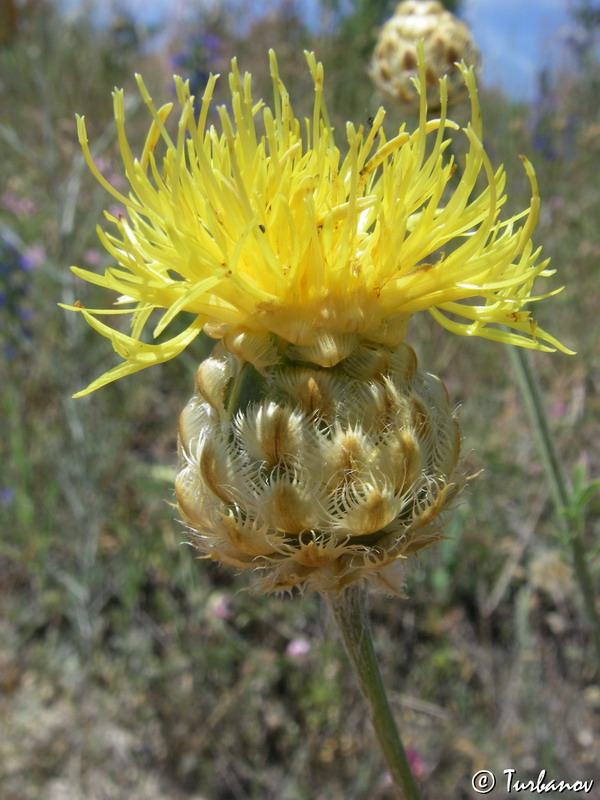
column 328, row 476
column 447, row 40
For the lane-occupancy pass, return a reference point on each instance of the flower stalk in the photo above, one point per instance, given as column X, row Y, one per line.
column 559, row 488
column 349, row 607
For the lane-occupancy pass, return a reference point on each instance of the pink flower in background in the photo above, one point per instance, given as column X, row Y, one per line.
column 298, row 648
column 117, row 210
column 17, row 204
column 102, row 163
column 116, row 179
column 220, row 606
column 558, row 408
column 94, row 257
column 417, row 764
column 33, row 256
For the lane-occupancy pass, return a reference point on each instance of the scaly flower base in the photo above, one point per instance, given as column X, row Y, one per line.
column 317, row 477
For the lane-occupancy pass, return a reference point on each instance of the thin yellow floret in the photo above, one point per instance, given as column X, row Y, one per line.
column 261, row 225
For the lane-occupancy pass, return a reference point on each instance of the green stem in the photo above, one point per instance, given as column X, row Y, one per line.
column 349, row 608
column 559, row 489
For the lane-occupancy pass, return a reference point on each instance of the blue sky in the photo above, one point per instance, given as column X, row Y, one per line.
column 516, row 37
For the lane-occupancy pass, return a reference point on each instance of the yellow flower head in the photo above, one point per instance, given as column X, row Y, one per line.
column 274, row 238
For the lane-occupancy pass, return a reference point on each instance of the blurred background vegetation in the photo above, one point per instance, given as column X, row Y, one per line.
column 130, row 670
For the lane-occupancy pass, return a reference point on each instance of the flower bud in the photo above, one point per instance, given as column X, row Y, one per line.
column 446, row 39
column 325, row 475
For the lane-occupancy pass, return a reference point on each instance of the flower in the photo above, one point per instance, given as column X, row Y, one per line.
column 446, row 40
column 274, row 240
column 16, row 261
column 220, row 606
column 298, row 649
column 199, row 51
column 314, row 452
